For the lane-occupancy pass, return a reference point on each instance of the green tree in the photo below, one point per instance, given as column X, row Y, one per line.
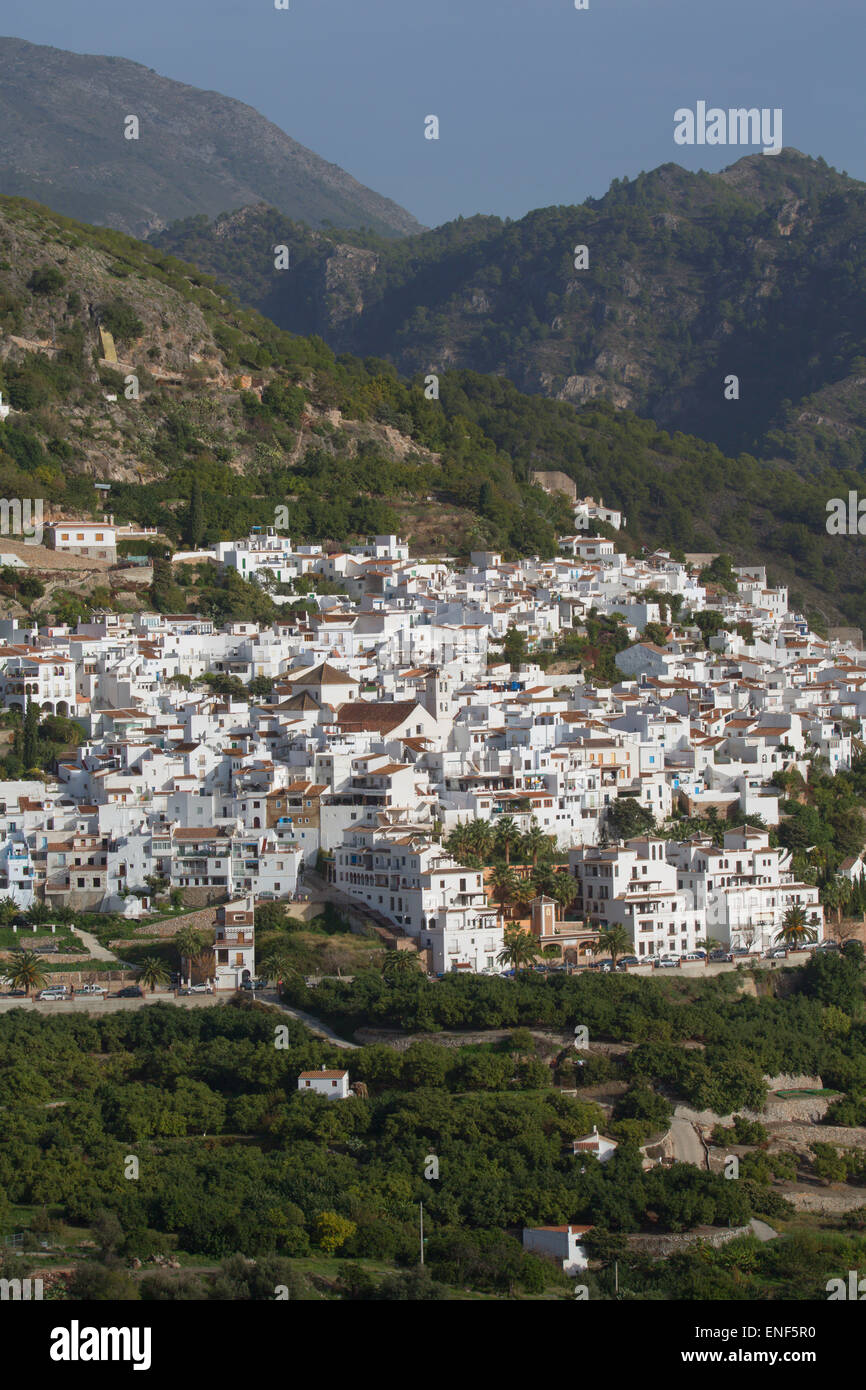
column 519, row 951
column 152, row 972
column 615, row 942
column 795, row 930
column 189, row 944
column 507, row 835
column 24, row 971
column 30, row 736
column 195, row 521
column 332, row 1231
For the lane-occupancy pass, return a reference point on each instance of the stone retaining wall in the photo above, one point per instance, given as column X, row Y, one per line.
column 846, row 1136
column 661, row 1246
column 827, row 1202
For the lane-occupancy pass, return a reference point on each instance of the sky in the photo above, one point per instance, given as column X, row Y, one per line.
column 538, row 103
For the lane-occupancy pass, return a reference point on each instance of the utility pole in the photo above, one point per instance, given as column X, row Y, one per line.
column 421, row 1213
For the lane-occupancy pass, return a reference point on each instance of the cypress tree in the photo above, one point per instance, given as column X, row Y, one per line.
column 30, row 739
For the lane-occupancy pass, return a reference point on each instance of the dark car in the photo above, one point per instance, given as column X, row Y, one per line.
column 721, row 955
column 131, row 992
column 628, row 960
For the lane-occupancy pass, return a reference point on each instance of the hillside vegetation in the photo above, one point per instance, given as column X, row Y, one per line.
column 252, row 417
column 759, row 271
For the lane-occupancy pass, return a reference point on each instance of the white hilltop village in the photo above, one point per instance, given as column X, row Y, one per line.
column 394, row 717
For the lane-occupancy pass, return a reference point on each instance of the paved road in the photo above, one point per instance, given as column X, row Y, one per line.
column 687, row 1146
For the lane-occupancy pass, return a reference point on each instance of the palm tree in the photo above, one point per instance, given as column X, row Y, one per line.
column 524, row 893
column 504, row 885
column 520, row 950
column 616, row 941
column 189, row 945
column 543, row 880
column 507, row 834
column 24, row 971
column 708, row 943
column 795, row 930
column 535, row 842
column 277, row 964
column 401, row 965
column 152, row 972
column 563, row 892
column 481, row 840
column 457, row 843
column 834, row 895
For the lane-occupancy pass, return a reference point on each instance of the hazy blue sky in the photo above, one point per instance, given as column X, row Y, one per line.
column 538, row 103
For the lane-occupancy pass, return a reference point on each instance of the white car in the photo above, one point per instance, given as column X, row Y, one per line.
column 92, row 989
column 51, row 994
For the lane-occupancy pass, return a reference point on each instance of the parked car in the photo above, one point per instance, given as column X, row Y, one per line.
column 776, row 953
column 667, row 963
column 827, row 946
column 92, row 989
column 198, row 989
column 254, row 984
column 51, row 994
column 738, row 952
column 628, row 960
column 694, row 955
column 719, row 955
column 131, row 992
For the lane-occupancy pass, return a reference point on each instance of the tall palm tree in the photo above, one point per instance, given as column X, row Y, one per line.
column 543, row 880
column 24, row 971
column 563, row 892
column 536, row 842
column 504, row 885
column 616, row 941
column 834, row 896
column 507, row 835
column 481, row 840
column 520, row 949
column 189, row 945
column 457, row 843
column 795, row 929
column 524, row 893
column 152, row 972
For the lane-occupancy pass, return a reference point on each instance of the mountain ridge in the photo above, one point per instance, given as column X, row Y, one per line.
column 62, row 144
column 759, row 271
